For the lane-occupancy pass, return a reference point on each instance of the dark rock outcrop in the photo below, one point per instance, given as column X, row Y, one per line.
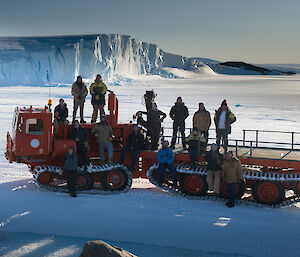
column 98, row 248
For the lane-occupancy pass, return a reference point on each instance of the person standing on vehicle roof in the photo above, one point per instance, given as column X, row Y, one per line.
column 80, row 135
column 154, row 119
column 98, row 90
column 79, row 91
column 232, row 174
column 135, row 143
column 60, row 116
column 178, row 113
column 214, row 162
column 103, row 132
column 202, row 121
column 70, row 168
column 223, row 120
column 165, row 157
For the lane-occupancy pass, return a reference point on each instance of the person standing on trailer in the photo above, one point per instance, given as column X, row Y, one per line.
column 79, row 91
column 202, row 121
column 196, row 144
column 98, row 90
column 70, row 168
column 60, row 116
column 223, row 120
column 178, row 113
column 135, row 143
column 214, row 162
column 232, row 174
column 80, row 136
column 103, row 132
column 155, row 118
column 165, row 157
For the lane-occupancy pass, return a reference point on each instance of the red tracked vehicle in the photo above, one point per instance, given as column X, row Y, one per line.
column 267, row 177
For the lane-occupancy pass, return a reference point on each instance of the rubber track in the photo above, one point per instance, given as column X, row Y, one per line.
column 94, row 169
column 250, row 172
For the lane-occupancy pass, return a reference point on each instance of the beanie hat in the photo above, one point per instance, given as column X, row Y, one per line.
column 179, row 98
column 224, row 102
column 195, row 129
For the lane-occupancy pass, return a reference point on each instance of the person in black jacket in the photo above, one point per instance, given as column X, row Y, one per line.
column 80, row 135
column 214, row 161
column 135, row 143
column 178, row 113
column 154, row 119
column 70, row 168
column 60, row 115
column 223, row 120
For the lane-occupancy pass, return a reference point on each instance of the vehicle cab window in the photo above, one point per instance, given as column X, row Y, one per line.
column 34, row 126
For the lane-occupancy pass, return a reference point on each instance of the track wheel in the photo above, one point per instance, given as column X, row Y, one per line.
column 268, row 192
column 115, row 179
column 85, row 181
column 240, row 190
column 45, row 178
column 296, row 188
column 193, row 184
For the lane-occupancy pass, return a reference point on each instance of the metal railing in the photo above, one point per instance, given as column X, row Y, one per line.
column 292, row 144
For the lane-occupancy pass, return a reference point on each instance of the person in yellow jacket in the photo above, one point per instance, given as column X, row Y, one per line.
column 98, row 90
column 202, row 121
column 232, row 174
column 79, row 91
column 196, row 143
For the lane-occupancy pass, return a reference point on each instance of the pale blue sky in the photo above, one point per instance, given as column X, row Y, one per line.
column 256, row 31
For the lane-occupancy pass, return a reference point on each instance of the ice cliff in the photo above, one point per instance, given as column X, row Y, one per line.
column 59, row 59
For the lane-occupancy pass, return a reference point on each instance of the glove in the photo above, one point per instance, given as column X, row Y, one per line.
column 96, row 134
column 97, row 97
column 77, row 139
column 110, row 139
column 61, row 171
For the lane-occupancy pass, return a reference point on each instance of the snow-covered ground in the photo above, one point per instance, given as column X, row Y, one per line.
column 146, row 220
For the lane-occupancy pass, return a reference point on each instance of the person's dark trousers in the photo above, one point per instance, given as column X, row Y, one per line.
column 71, row 176
column 82, row 152
column 205, row 134
column 162, row 170
column 181, row 127
column 193, row 156
column 154, row 134
column 135, row 154
column 231, row 188
column 222, row 134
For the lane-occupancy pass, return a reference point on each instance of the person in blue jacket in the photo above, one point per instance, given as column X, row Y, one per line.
column 165, row 157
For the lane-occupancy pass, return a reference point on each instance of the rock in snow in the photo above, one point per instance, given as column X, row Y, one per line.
column 98, row 248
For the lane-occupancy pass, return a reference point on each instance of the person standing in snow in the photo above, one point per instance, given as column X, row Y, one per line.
column 60, row 116
column 103, row 132
column 80, row 136
column 232, row 174
column 223, row 120
column 79, row 91
column 98, row 90
column 165, row 157
column 202, row 121
column 214, row 162
column 154, row 119
column 178, row 113
column 70, row 168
